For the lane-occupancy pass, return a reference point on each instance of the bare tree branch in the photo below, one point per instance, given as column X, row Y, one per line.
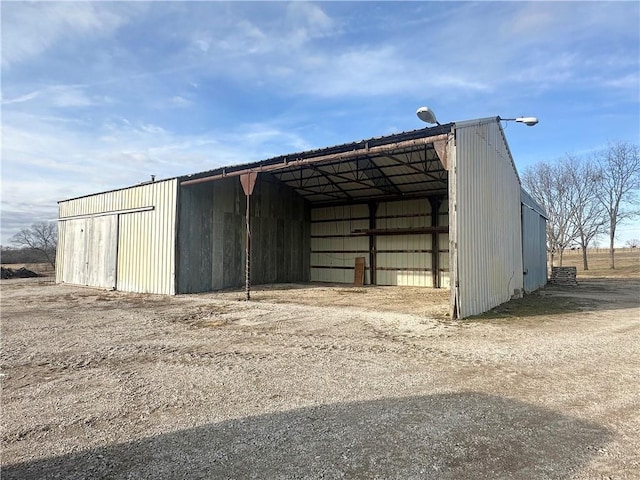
column 550, row 185
column 588, row 216
column 41, row 237
column 618, row 186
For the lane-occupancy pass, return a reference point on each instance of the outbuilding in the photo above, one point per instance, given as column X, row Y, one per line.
column 438, row 207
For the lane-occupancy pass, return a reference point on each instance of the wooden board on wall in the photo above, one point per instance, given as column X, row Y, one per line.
column 358, row 276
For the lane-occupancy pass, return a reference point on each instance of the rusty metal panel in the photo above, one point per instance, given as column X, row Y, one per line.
column 488, row 248
column 128, row 238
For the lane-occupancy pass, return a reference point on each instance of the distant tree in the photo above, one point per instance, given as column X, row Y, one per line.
column 633, row 243
column 41, row 237
column 587, row 213
column 20, row 255
column 619, row 180
column 550, row 186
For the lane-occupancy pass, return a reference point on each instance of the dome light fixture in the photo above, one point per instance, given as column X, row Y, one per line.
column 426, row 115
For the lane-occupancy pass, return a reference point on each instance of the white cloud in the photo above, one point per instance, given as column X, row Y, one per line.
column 110, row 116
column 629, row 81
column 30, row 29
column 58, row 96
column 180, row 102
column 52, row 160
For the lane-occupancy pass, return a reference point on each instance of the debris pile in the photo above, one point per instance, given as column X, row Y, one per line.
column 563, row 276
column 17, row 273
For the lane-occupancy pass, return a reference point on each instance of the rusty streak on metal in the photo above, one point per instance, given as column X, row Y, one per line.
column 288, row 163
column 248, row 181
column 440, row 147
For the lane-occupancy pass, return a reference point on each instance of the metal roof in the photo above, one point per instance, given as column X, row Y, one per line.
column 400, row 165
column 530, row 202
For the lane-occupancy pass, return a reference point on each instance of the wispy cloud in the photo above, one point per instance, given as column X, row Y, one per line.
column 30, row 29
column 100, row 95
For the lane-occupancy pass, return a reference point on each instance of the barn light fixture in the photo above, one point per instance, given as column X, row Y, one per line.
column 426, row 115
column 528, row 121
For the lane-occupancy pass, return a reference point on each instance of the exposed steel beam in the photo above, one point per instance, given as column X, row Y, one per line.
column 367, row 151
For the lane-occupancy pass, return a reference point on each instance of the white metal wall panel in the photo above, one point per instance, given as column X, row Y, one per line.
column 87, row 249
column 101, row 252
column 146, row 219
column 333, row 248
column 489, row 248
column 443, row 246
column 71, row 252
column 404, row 259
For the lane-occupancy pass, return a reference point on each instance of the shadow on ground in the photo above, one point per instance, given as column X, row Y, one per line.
column 444, row 436
column 591, row 294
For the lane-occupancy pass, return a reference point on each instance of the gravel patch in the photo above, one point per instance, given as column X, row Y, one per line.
column 319, row 382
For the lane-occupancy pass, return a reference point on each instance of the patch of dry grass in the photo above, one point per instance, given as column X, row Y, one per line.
column 544, row 302
column 627, row 261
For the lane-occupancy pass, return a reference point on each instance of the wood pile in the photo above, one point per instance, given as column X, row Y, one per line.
column 563, row 276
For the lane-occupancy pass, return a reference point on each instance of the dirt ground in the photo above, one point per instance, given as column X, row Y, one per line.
column 319, row 381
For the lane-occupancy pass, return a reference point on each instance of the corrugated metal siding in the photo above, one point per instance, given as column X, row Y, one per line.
column 443, row 246
column 145, row 239
column 404, row 259
column 489, row 248
column 212, row 235
column 534, row 247
column 333, row 249
column 400, row 259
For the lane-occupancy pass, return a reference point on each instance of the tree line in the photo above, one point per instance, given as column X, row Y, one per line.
column 585, row 197
column 34, row 244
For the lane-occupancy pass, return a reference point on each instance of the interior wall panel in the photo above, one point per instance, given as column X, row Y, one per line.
column 333, row 247
column 404, row 259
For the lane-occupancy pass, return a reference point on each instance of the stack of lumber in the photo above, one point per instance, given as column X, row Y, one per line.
column 563, row 276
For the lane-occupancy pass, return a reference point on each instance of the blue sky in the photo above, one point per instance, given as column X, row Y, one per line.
column 102, row 95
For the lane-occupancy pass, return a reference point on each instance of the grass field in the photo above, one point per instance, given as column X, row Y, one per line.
column 627, row 261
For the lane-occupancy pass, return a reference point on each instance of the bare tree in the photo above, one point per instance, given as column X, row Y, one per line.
column 550, row 185
column 633, row 243
column 588, row 215
column 41, row 237
column 619, row 181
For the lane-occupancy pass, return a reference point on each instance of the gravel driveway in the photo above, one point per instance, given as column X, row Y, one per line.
column 319, row 382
